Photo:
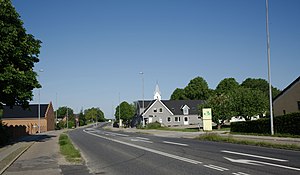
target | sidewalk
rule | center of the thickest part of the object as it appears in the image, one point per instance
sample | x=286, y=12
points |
x=36, y=155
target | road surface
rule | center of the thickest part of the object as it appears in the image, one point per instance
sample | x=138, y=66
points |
x=117, y=153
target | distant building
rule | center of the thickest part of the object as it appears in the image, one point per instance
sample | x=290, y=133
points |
x=29, y=118
x=288, y=101
x=169, y=112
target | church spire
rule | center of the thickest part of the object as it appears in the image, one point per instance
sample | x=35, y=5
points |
x=157, y=94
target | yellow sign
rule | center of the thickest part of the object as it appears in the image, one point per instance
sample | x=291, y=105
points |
x=207, y=123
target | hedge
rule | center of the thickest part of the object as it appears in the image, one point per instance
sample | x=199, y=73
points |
x=285, y=124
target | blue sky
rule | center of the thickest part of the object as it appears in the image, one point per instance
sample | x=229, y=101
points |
x=94, y=49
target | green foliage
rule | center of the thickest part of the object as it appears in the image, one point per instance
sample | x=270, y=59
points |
x=4, y=134
x=248, y=102
x=82, y=119
x=227, y=85
x=1, y=113
x=94, y=113
x=68, y=150
x=18, y=53
x=126, y=113
x=155, y=125
x=286, y=124
x=178, y=94
x=62, y=112
x=197, y=89
x=260, y=84
x=222, y=108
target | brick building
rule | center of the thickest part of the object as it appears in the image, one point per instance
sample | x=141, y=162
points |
x=18, y=116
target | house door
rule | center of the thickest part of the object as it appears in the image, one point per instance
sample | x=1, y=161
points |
x=186, y=121
x=150, y=119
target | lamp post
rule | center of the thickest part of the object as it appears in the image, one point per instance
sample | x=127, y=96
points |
x=143, y=106
x=269, y=66
x=39, y=106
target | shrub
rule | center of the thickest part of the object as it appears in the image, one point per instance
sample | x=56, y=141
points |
x=154, y=125
x=285, y=124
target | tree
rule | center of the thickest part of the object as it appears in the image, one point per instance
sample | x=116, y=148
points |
x=127, y=112
x=178, y=94
x=260, y=84
x=82, y=120
x=93, y=114
x=18, y=53
x=226, y=85
x=197, y=89
x=222, y=108
x=249, y=102
x=62, y=112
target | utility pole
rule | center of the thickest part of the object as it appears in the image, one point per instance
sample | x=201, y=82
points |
x=39, y=106
x=67, y=118
x=119, y=111
x=269, y=66
x=142, y=73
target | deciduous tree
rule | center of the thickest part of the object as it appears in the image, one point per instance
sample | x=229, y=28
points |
x=127, y=112
x=18, y=53
x=93, y=114
x=226, y=85
x=197, y=89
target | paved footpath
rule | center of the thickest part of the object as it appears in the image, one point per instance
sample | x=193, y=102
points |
x=41, y=157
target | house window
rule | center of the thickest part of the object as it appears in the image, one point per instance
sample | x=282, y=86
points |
x=150, y=116
x=284, y=112
x=176, y=119
x=154, y=110
x=160, y=110
x=186, y=111
x=169, y=119
x=298, y=105
x=186, y=119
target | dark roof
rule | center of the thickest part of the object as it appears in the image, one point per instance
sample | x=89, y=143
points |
x=288, y=87
x=147, y=103
x=176, y=105
x=19, y=112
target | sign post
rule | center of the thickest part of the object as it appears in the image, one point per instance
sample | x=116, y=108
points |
x=207, y=119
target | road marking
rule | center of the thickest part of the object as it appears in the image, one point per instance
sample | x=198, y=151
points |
x=240, y=173
x=256, y=156
x=141, y=140
x=148, y=149
x=216, y=167
x=259, y=163
x=116, y=134
x=174, y=143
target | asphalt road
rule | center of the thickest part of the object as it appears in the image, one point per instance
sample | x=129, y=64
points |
x=117, y=153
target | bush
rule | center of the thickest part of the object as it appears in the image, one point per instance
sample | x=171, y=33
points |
x=285, y=124
x=154, y=125
x=4, y=134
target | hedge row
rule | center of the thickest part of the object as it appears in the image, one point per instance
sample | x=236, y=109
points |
x=285, y=124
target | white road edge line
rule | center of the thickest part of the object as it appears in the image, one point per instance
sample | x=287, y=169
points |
x=148, y=149
x=174, y=143
x=218, y=167
x=141, y=140
x=256, y=156
x=215, y=168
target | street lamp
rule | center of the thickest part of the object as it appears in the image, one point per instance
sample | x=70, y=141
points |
x=142, y=73
x=39, y=107
x=269, y=66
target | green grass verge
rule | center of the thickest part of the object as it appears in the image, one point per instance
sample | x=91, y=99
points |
x=68, y=150
x=230, y=139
